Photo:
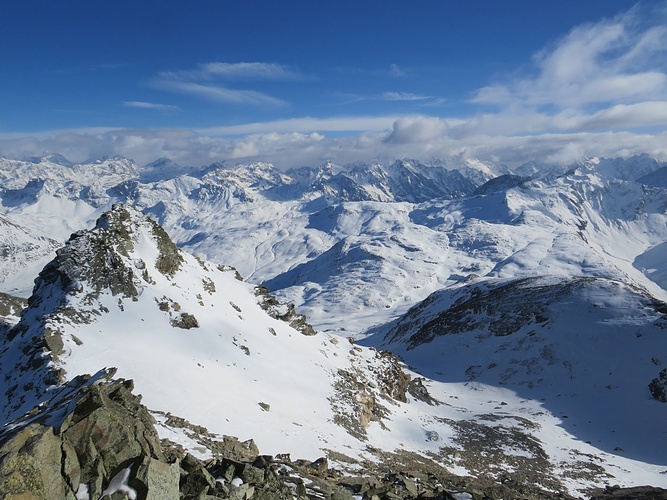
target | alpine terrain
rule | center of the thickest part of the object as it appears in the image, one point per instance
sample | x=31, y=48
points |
x=396, y=329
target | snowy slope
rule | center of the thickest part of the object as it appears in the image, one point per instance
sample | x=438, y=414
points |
x=199, y=345
x=24, y=252
x=116, y=297
x=586, y=349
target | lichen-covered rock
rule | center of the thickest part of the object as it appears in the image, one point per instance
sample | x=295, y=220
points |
x=185, y=321
x=30, y=465
x=159, y=478
x=92, y=429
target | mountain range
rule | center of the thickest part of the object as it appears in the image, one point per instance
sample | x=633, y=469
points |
x=507, y=325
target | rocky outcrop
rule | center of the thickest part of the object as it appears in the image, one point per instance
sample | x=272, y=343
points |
x=658, y=386
x=10, y=310
x=283, y=312
x=94, y=438
x=97, y=260
x=362, y=392
x=637, y=493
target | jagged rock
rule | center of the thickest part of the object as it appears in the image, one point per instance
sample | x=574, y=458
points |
x=658, y=386
x=393, y=381
x=418, y=390
x=195, y=479
x=88, y=433
x=319, y=467
x=229, y=447
x=283, y=312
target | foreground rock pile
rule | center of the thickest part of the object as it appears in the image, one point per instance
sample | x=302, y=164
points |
x=95, y=440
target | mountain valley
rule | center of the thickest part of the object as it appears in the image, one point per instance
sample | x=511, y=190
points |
x=481, y=331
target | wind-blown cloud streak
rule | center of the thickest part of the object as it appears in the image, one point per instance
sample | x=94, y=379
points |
x=219, y=93
x=150, y=105
x=210, y=81
x=236, y=71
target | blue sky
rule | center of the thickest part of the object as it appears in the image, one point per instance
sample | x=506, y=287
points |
x=300, y=82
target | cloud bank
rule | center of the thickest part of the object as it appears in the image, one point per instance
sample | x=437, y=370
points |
x=416, y=137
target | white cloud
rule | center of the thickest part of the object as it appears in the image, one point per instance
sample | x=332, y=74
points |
x=417, y=129
x=396, y=72
x=150, y=105
x=614, y=61
x=610, y=75
x=252, y=70
x=403, y=96
x=234, y=71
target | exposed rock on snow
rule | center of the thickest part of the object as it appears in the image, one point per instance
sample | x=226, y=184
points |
x=658, y=386
x=282, y=311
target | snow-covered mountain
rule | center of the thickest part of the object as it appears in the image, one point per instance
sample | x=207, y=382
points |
x=199, y=344
x=24, y=252
x=587, y=348
x=406, y=180
x=531, y=301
